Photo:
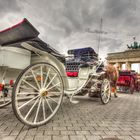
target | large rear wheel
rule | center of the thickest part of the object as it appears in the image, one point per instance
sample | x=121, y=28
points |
x=37, y=94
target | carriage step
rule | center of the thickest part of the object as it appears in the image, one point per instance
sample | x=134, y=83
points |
x=74, y=101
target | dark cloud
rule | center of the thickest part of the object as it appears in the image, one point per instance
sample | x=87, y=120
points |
x=65, y=22
x=122, y=12
x=117, y=8
x=7, y=6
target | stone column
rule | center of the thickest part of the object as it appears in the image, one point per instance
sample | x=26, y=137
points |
x=128, y=66
x=119, y=65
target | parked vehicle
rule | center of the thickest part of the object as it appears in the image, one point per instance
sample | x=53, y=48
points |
x=128, y=81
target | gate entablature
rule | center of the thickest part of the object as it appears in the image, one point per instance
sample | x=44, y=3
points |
x=128, y=57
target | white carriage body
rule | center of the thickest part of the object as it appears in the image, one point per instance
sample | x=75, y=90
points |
x=12, y=61
x=15, y=58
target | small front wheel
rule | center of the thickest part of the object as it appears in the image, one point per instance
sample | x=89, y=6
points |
x=105, y=94
x=37, y=94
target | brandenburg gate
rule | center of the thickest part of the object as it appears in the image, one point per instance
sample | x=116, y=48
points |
x=128, y=57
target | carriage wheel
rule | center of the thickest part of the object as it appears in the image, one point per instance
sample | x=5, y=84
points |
x=37, y=94
x=105, y=91
x=5, y=98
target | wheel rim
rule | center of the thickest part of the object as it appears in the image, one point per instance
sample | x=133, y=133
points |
x=5, y=98
x=40, y=96
x=105, y=91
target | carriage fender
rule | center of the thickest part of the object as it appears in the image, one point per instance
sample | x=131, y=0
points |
x=53, y=61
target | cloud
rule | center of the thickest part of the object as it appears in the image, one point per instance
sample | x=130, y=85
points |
x=64, y=23
x=7, y=6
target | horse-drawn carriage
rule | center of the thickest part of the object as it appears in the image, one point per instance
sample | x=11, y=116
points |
x=128, y=81
x=39, y=89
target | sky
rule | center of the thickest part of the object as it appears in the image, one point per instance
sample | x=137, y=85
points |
x=69, y=24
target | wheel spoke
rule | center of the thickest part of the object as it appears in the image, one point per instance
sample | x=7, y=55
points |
x=27, y=93
x=35, y=79
x=37, y=110
x=52, y=99
x=53, y=86
x=43, y=108
x=30, y=84
x=103, y=94
x=46, y=78
x=55, y=93
x=26, y=88
x=107, y=88
x=51, y=80
x=104, y=97
x=28, y=102
x=31, y=108
x=49, y=105
x=41, y=76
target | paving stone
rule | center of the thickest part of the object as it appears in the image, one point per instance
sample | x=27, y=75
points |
x=59, y=128
x=97, y=133
x=83, y=132
x=60, y=138
x=45, y=127
x=31, y=133
x=77, y=138
x=74, y=128
x=78, y=124
x=9, y=138
x=136, y=137
x=29, y=138
x=137, y=133
x=42, y=138
x=109, y=137
x=101, y=128
x=125, y=133
x=22, y=135
x=65, y=124
x=54, y=132
x=126, y=138
x=93, y=137
x=111, y=133
x=67, y=132
x=88, y=128
x=40, y=133
x=15, y=132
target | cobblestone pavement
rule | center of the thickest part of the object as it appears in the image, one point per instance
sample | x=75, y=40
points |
x=88, y=120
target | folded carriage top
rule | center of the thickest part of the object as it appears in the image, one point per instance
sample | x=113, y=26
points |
x=19, y=32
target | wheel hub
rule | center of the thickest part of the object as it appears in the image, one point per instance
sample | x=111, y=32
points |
x=43, y=92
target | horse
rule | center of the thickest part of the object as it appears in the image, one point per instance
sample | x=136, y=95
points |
x=112, y=73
